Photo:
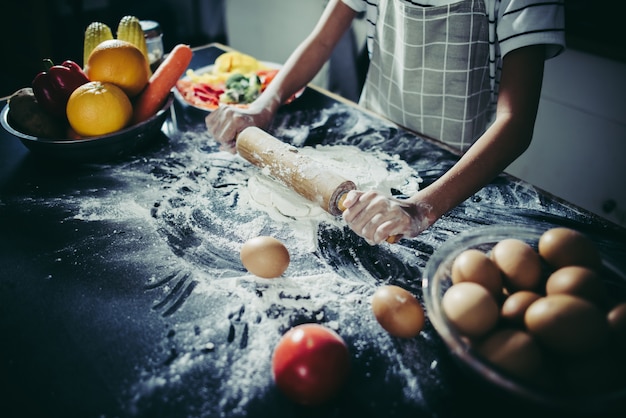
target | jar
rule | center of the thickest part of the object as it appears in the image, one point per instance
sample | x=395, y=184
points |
x=154, y=42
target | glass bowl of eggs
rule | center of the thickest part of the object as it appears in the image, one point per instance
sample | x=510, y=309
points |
x=537, y=312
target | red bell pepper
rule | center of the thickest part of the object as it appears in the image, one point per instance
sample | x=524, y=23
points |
x=53, y=87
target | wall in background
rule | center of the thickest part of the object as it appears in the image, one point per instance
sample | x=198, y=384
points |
x=271, y=29
x=579, y=147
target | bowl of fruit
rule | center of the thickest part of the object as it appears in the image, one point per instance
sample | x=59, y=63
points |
x=538, y=313
x=57, y=141
x=111, y=106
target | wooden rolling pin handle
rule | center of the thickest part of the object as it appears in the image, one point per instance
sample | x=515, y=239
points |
x=394, y=238
x=335, y=203
x=391, y=239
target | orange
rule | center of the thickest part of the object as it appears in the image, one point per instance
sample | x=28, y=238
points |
x=98, y=108
x=121, y=63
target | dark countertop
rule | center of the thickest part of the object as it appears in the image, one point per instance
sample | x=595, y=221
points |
x=122, y=294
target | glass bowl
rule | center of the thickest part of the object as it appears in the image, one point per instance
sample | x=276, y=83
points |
x=436, y=280
x=95, y=149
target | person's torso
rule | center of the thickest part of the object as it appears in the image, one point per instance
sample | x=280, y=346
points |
x=430, y=67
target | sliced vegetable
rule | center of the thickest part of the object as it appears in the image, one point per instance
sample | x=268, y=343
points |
x=208, y=90
x=266, y=77
x=200, y=94
x=233, y=61
x=241, y=89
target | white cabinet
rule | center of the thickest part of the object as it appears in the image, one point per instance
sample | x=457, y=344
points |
x=578, y=151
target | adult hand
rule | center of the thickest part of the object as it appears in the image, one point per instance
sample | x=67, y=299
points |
x=226, y=122
x=376, y=217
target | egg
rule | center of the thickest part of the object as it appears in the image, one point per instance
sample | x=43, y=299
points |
x=567, y=324
x=514, y=351
x=470, y=308
x=562, y=247
x=578, y=281
x=475, y=266
x=519, y=262
x=265, y=257
x=514, y=307
x=398, y=311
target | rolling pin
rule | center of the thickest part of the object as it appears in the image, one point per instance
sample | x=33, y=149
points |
x=298, y=172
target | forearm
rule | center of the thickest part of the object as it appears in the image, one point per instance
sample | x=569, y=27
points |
x=309, y=57
x=499, y=146
x=505, y=140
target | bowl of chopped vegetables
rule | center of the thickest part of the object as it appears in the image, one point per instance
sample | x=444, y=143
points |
x=234, y=79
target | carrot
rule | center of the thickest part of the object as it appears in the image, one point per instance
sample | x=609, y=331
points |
x=161, y=82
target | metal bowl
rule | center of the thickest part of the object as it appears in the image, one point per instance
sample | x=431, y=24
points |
x=94, y=149
x=436, y=281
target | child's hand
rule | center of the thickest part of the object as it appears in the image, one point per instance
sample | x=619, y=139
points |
x=376, y=217
x=226, y=122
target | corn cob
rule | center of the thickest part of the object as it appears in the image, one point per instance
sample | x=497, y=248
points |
x=95, y=33
x=129, y=29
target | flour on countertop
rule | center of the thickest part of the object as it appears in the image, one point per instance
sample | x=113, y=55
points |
x=185, y=212
x=262, y=310
x=172, y=223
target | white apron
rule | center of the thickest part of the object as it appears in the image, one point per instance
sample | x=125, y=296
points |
x=429, y=69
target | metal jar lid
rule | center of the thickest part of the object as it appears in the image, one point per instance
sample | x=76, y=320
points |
x=150, y=28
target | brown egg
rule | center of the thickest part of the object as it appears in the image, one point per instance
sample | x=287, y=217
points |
x=562, y=247
x=519, y=263
x=514, y=351
x=475, y=266
x=265, y=256
x=514, y=307
x=578, y=281
x=398, y=311
x=617, y=323
x=567, y=324
x=470, y=308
